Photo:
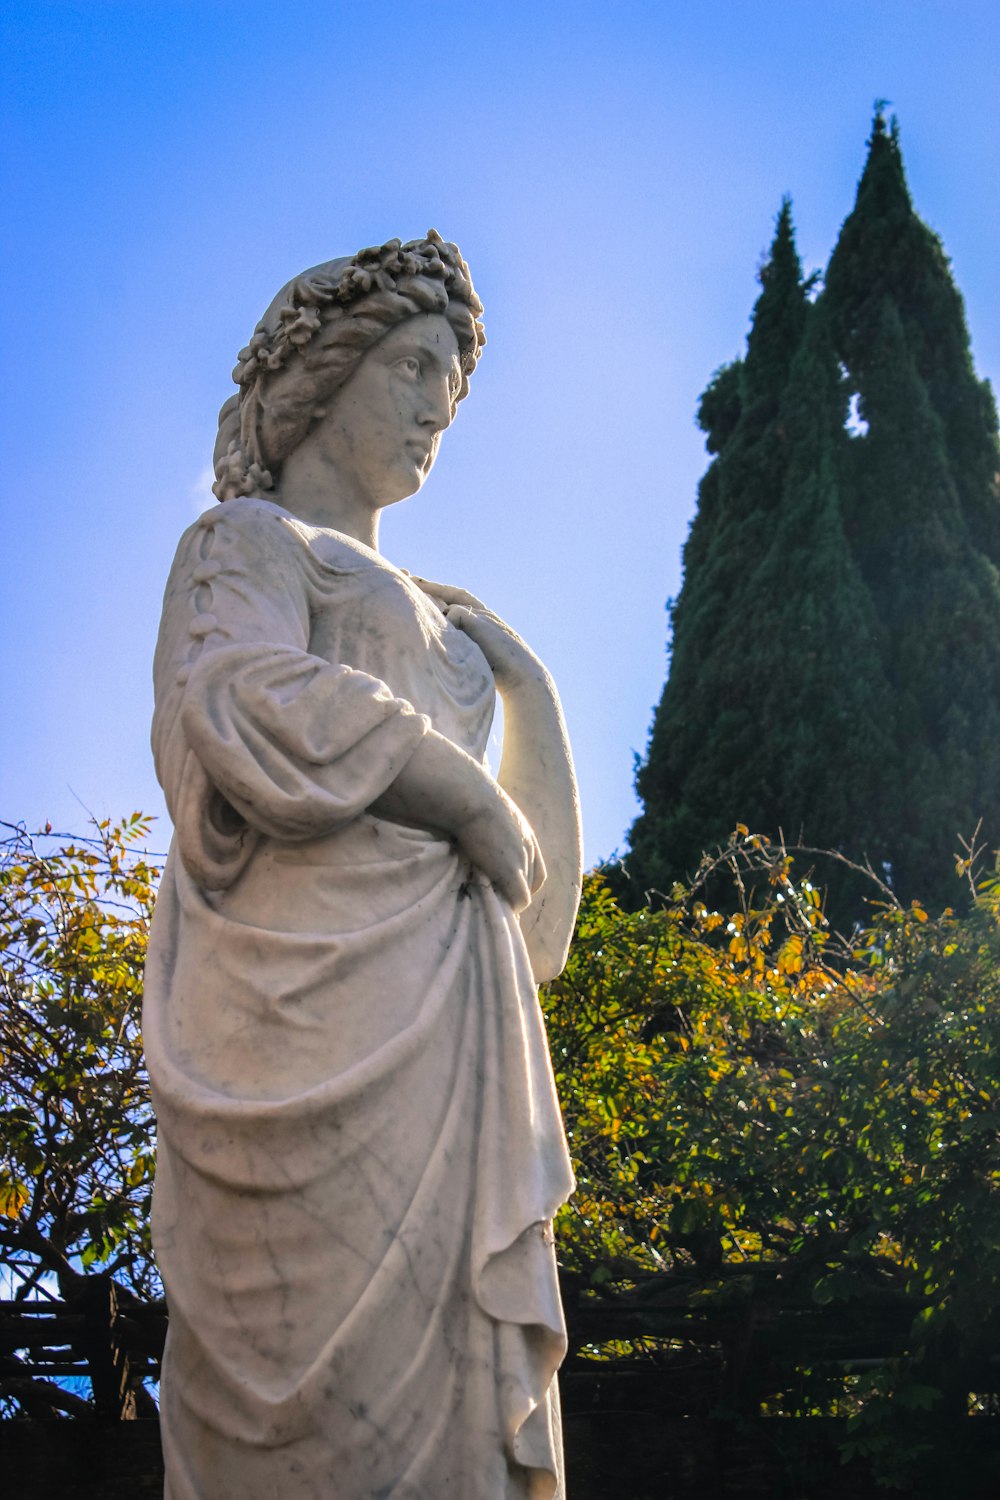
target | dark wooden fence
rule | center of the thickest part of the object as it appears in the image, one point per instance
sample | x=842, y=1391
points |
x=663, y=1395
x=103, y=1338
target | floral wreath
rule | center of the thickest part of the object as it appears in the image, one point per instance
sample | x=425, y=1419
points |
x=384, y=268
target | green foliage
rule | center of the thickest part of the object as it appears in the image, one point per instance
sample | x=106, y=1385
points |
x=887, y=258
x=775, y=671
x=76, y=1126
x=835, y=660
x=779, y=321
x=922, y=511
x=769, y=1119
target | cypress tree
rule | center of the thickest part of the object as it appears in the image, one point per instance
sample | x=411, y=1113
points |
x=735, y=499
x=835, y=668
x=771, y=711
x=822, y=751
x=923, y=518
x=886, y=253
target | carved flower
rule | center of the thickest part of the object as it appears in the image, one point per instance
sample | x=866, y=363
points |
x=252, y=359
x=356, y=281
x=259, y=478
x=229, y=473
x=231, y=466
x=300, y=323
x=318, y=290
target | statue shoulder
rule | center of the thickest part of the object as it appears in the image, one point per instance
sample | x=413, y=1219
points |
x=253, y=535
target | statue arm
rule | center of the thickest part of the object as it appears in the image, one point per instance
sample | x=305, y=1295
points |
x=441, y=787
x=536, y=773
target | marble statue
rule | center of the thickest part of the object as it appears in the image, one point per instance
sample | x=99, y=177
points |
x=360, y=1147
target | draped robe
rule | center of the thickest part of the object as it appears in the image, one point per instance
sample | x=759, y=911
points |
x=360, y=1149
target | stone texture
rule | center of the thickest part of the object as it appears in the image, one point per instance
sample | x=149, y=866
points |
x=360, y=1145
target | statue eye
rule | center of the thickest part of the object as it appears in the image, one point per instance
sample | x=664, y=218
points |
x=409, y=366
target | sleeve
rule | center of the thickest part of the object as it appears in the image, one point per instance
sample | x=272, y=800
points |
x=252, y=734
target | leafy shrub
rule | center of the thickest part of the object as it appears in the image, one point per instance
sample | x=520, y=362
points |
x=797, y=1135
x=77, y=1137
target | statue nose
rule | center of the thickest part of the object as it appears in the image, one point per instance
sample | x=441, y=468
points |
x=436, y=412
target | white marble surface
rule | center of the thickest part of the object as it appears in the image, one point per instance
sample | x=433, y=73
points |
x=360, y=1149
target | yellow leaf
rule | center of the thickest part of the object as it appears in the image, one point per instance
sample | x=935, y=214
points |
x=790, y=957
x=13, y=1197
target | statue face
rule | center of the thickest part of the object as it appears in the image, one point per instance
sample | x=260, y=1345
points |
x=381, y=429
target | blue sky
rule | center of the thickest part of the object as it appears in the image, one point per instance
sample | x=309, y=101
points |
x=611, y=173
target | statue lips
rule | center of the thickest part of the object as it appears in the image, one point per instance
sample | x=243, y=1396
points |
x=421, y=451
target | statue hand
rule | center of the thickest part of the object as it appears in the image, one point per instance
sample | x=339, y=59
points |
x=510, y=659
x=499, y=841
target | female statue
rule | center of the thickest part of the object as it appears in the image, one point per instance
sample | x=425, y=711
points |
x=360, y=1149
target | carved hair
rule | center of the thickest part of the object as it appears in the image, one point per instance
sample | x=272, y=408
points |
x=312, y=337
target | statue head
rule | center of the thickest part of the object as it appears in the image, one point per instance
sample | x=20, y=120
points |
x=312, y=338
